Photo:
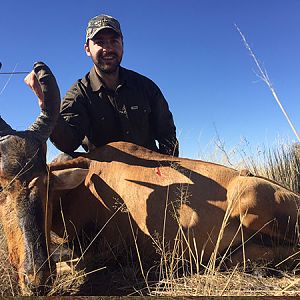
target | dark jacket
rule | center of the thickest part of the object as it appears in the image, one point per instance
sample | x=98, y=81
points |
x=137, y=112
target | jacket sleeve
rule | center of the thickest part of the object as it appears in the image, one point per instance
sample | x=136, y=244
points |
x=163, y=123
x=73, y=122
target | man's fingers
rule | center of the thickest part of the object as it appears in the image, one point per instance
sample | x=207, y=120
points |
x=34, y=84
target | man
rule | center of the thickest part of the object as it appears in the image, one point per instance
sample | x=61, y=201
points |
x=112, y=103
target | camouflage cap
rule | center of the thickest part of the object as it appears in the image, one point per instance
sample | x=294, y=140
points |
x=101, y=22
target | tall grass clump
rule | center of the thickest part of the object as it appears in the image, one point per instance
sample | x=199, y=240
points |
x=281, y=164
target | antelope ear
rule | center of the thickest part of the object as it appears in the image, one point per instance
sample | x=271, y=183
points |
x=69, y=178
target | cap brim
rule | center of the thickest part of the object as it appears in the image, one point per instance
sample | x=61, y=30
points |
x=104, y=27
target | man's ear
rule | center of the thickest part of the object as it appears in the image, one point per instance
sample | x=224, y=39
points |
x=69, y=178
x=87, y=49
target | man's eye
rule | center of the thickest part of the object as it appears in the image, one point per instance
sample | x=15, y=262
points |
x=98, y=42
x=102, y=43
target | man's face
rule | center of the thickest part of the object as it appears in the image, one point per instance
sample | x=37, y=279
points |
x=106, y=50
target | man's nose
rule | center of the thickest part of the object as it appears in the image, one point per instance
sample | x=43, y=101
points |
x=107, y=45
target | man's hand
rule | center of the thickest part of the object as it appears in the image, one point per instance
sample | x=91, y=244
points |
x=32, y=81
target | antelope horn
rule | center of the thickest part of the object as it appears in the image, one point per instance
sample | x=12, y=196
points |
x=45, y=122
x=5, y=129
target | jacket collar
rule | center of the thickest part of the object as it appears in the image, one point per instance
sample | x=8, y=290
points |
x=97, y=84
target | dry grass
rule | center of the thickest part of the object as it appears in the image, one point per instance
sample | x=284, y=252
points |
x=282, y=165
x=234, y=283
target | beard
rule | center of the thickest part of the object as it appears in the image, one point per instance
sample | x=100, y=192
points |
x=108, y=66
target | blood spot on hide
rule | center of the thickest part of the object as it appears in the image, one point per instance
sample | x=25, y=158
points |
x=157, y=171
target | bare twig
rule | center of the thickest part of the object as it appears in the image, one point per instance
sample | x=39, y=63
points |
x=13, y=73
x=264, y=77
x=8, y=80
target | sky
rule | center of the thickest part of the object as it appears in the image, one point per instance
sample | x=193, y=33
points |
x=191, y=49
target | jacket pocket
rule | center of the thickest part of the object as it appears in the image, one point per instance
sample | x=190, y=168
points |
x=139, y=115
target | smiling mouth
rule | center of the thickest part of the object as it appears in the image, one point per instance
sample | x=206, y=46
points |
x=109, y=57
